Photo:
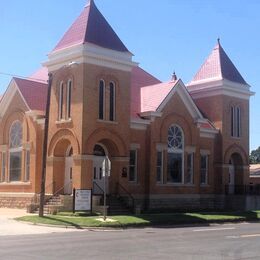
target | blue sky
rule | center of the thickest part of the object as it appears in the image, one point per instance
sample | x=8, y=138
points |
x=165, y=36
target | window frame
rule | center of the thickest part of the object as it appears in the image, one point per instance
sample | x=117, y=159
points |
x=178, y=151
x=235, y=121
x=27, y=166
x=16, y=149
x=206, y=169
x=133, y=165
x=112, y=101
x=61, y=101
x=68, y=99
x=160, y=167
x=101, y=106
x=191, y=168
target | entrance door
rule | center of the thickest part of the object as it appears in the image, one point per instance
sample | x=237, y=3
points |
x=98, y=179
x=68, y=176
x=231, y=187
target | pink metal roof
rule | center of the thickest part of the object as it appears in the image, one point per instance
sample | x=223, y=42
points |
x=34, y=93
x=152, y=96
x=207, y=125
x=40, y=75
x=218, y=65
x=139, y=79
x=91, y=27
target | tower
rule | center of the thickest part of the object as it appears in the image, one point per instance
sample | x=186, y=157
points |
x=90, y=103
x=222, y=94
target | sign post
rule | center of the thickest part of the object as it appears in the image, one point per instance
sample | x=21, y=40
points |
x=106, y=168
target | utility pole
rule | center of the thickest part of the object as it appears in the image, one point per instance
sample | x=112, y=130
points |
x=45, y=143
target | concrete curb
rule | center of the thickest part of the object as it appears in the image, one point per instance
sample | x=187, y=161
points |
x=141, y=226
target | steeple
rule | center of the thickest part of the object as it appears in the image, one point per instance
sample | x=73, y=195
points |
x=91, y=27
x=218, y=66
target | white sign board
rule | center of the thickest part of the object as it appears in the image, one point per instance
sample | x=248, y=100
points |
x=106, y=167
x=82, y=200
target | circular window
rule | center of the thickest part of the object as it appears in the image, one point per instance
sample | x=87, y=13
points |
x=16, y=135
x=175, y=139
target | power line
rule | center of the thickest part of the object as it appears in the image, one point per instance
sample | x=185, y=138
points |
x=23, y=77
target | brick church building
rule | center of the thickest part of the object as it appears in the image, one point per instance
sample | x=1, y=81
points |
x=171, y=145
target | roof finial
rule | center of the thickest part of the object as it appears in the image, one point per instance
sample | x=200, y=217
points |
x=218, y=40
x=174, y=76
x=89, y=2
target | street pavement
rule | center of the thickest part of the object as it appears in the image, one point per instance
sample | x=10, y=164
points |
x=214, y=242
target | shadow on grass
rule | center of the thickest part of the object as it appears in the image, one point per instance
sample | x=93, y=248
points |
x=200, y=218
x=65, y=222
x=173, y=219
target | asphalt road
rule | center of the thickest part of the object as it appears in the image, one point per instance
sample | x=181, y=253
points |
x=232, y=241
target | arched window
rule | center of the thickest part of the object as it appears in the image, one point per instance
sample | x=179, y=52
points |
x=68, y=105
x=61, y=93
x=101, y=99
x=235, y=121
x=112, y=103
x=175, y=154
x=15, y=149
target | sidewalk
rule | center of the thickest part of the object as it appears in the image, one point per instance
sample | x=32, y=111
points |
x=9, y=226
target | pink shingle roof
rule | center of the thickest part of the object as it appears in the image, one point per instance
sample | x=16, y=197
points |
x=91, y=27
x=152, y=96
x=34, y=93
x=40, y=75
x=218, y=66
x=139, y=79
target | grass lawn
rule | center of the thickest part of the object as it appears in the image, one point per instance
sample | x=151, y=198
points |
x=80, y=221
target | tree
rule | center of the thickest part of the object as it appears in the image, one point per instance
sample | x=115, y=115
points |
x=254, y=157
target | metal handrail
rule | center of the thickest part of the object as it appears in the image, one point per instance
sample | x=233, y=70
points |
x=35, y=199
x=51, y=184
x=95, y=184
x=129, y=195
x=57, y=192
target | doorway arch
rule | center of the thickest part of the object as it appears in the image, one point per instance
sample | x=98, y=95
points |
x=68, y=173
x=99, y=183
x=235, y=174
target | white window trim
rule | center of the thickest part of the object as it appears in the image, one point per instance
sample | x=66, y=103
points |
x=238, y=117
x=179, y=151
x=60, y=107
x=68, y=99
x=14, y=150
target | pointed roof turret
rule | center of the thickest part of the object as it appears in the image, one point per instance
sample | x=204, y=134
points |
x=218, y=66
x=91, y=27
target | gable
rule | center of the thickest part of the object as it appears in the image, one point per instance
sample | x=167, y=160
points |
x=33, y=92
x=10, y=97
x=182, y=92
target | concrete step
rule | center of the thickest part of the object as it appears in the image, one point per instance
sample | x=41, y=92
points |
x=117, y=207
